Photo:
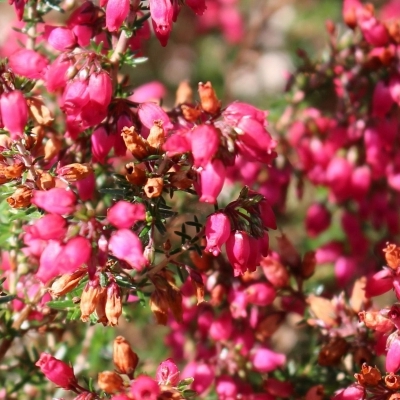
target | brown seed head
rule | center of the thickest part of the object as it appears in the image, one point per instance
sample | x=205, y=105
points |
x=74, y=172
x=44, y=180
x=67, y=282
x=38, y=111
x=110, y=382
x=135, y=174
x=392, y=381
x=125, y=359
x=113, y=304
x=52, y=148
x=333, y=351
x=13, y=171
x=370, y=376
x=156, y=137
x=153, y=187
x=135, y=143
x=190, y=113
x=159, y=306
x=184, y=93
x=392, y=255
x=21, y=197
x=376, y=321
x=208, y=98
x=90, y=296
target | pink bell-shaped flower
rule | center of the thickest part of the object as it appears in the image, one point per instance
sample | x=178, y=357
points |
x=212, y=179
x=238, y=251
x=167, y=373
x=14, y=113
x=218, y=229
x=57, y=371
x=124, y=214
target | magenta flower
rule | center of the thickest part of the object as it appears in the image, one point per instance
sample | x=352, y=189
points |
x=28, y=63
x=265, y=360
x=167, y=373
x=162, y=13
x=57, y=371
x=393, y=353
x=353, y=392
x=116, y=12
x=57, y=200
x=217, y=229
x=55, y=75
x=318, y=219
x=212, y=179
x=57, y=259
x=149, y=113
x=205, y=142
x=226, y=387
x=48, y=227
x=238, y=251
x=198, y=6
x=14, y=113
x=59, y=37
x=102, y=143
x=260, y=294
x=222, y=327
x=126, y=246
x=145, y=388
x=124, y=214
x=100, y=89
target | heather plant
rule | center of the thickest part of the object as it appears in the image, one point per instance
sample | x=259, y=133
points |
x=120, y=213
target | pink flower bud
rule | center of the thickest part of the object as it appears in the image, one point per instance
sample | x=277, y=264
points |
x=218, y=229
x=28, y=63
x=382, y=101
x=124, y=214
x=86, y=187
x=202, y=374
x=57, y=200
x=56, y=73
x=100, y=89
x=167, y=373
x=212, y=179
x=57, y=259
x=14, y=113
x=267, y=214
x=75, y=97
x=318, y=219
x=353, y=392
x=198, y=6
x=226, y=388
x=60, y=38
x=379, y=283
x=145, y=388
x=48, y=227
x=393, y=354
x=126, y=246
x=116, y=12
x=150, y=91
x=266, y=360
x=177, y=143
x=57, y=371
x=238, y=251
x=150, y=113
x=102, y=143
x=162, y=13
x=222, y=327
x=345, y=269
x=260, y=294
x=205, y=141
